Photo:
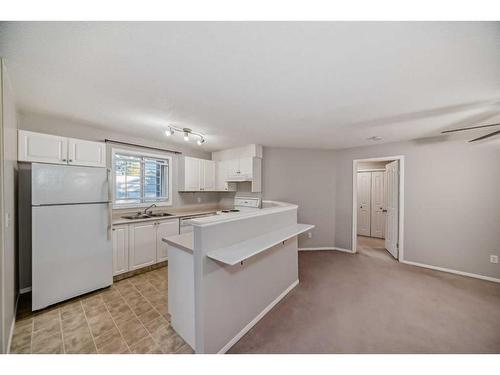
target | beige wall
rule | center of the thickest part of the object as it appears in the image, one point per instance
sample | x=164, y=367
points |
x=452, y=202
x=8, y=208
x=305, y=177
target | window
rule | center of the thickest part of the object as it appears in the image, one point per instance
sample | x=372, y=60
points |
x=141, y=179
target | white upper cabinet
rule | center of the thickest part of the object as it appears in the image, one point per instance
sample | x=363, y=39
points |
x=221, y=175
x=92, y=154
x=208, y=175
x=192, y=167
x=46, y=148
x=243, y=168
x=199, y=175
x=246, y=167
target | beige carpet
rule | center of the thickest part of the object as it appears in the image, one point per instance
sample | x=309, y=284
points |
x=370, y=303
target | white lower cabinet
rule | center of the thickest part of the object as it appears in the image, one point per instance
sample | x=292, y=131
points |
x=164, y=229
x=139, y=245
x=120, y=249
x=142, y=245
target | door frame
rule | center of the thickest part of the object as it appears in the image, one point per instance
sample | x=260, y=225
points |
x=401, y=160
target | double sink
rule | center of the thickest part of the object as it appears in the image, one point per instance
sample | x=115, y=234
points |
x=149, y=215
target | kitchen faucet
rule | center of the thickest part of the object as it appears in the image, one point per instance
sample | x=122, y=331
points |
x=147, y=208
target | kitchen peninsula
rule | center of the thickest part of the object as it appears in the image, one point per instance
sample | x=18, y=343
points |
x=230, y=271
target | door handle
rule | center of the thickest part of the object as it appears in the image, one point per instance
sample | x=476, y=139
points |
x=384, y=210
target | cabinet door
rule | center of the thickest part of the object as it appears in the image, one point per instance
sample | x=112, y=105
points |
x=164, y=229
x=208, y=175
x=246, y=167
x=142, y=245
x=233, y=168
x=44, y=148
x=192, y=174
x=220, y=175
x=87, y=153
x=120, y=249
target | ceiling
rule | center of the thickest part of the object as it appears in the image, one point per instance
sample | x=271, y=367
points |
x=289, y=84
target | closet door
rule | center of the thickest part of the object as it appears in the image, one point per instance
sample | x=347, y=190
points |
x=377, y=205
x=364, y=207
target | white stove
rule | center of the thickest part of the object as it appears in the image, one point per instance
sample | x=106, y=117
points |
x=241, y=204
x=244, y=204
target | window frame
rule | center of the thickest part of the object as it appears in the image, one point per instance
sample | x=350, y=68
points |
x=169, y=175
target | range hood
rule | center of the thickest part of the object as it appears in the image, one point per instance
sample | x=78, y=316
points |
x=239, y=179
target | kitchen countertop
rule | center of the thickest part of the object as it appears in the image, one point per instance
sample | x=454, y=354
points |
x=183, y=241
x=176, y=213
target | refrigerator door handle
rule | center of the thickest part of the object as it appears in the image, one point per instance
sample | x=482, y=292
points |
x=110, y=212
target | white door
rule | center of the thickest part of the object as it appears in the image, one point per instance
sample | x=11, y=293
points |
x=120, y=249
x=192, y=174
x=164, y=229
x=142, y=245
x=364, y=191
x=392, y=207
x=246, y=167
x=378, y=204
x=208, y=175
x=44, y=148
x=86, y=153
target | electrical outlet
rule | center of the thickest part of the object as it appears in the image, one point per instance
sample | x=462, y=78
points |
x=199, y=199
x=309, y=235
x=493, y=258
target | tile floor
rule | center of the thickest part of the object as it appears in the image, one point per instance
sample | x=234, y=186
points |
x=128, y=317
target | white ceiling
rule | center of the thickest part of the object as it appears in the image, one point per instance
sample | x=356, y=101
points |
x=290, y=84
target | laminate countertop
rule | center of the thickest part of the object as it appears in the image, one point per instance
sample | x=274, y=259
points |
x=176, y=214
x=183, y=241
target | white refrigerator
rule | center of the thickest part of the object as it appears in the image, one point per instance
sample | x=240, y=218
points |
x=71, y=246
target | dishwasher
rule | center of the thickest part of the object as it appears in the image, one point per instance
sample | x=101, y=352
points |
x=184, y=223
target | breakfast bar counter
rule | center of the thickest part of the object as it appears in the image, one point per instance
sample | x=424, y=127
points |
x=229, y=272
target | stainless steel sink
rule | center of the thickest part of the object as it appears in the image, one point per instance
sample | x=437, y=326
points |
x=136, y=217
x=160, y=214
x=140, y=216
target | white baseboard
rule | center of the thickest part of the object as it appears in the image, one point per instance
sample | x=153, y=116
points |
x=442, y=269
x=25, y=290
x=11, y=333
x=325, y=248
x=254, y=321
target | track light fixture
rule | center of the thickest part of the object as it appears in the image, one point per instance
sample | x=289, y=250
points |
x=186, y=132
x=169, y=132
